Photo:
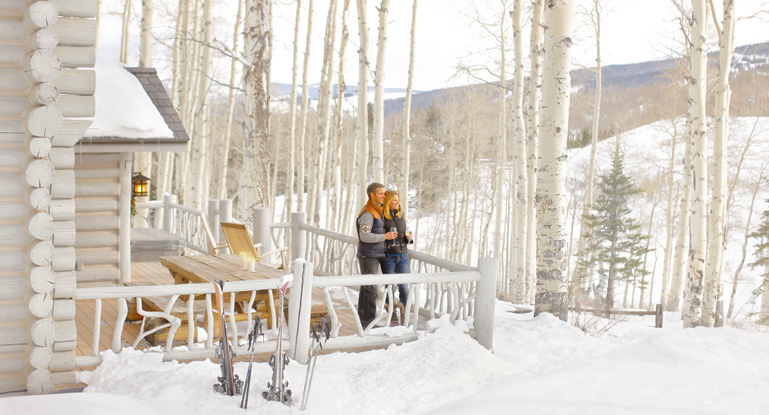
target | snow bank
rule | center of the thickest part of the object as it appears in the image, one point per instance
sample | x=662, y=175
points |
x=539, y=366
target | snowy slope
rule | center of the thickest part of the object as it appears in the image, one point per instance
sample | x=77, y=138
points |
x=647, y=156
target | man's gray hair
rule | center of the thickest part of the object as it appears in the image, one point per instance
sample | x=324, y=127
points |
x=372, y=188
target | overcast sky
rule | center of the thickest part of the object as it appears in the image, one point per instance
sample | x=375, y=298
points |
x=632, y=31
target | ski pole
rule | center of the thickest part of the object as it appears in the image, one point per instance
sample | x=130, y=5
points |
x=316, y=346
x=255, y=331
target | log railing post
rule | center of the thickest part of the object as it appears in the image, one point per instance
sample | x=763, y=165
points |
x=300, y=303
x=168, y=213
x=297, y=237
x=214, y=219
x=484, y=302
x=262, y=229
x=124, y=234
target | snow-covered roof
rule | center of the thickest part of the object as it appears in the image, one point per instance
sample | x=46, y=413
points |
x=133, y=110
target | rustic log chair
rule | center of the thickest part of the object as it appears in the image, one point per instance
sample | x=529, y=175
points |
x=239, y=240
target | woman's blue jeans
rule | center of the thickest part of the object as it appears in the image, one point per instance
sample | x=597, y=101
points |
x=398, y=264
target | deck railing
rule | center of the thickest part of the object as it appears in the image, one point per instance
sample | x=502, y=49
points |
x=321, y=259
x=190, y=224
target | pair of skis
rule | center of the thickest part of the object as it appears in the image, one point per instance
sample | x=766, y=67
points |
x=229, y=383
x=278, y=389
x=255, y=333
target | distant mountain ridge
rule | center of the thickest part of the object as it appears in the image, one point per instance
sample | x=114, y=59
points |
x=748, y=57
x=284, y=90
x=619, y=78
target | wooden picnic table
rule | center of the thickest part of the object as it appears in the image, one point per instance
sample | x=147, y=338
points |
x=205, y=268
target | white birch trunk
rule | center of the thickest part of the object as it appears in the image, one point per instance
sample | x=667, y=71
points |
x=339, y=127
x=143, y=160
x=225, y=150
x=300, y=140
x=501, y=148
x=256, y=134
x=363, y=63
x=145, y=58
x=692, y=309
x=763, y=316
x=125, y=32
x=325, y=96
x=200, y=138
x=589, y=197
x=551, y=199
x=292, y=144
x=669, y=221
x=682, y=231
x=718, y=204
x=532, y=131
x=736, y=278
x=518, y=286
x=406, y=141
x=377, y=157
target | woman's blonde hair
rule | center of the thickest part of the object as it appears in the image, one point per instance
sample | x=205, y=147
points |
x=389, y=195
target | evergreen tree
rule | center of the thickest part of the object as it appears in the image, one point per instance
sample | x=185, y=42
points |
x=762, y=250
x=616, y=245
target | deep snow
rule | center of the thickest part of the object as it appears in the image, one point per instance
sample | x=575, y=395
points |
x=538, y=366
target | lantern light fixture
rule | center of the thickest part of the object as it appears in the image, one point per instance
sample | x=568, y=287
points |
x=141, y=185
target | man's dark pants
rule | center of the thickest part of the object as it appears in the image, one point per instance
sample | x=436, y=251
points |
x=368, y=293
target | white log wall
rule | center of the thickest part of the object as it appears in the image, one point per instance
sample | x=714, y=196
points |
x=97, y=218
x=46, y=81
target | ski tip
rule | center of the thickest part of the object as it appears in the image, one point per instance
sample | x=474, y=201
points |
x=286, y=279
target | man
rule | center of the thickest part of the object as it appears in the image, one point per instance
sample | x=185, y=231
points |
x=371, y=248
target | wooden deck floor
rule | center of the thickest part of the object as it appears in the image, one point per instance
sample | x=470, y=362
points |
x=146, y=273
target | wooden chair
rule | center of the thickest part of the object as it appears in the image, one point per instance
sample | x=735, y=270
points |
x=239, y=240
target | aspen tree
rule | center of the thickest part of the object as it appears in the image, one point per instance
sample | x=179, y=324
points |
x=125, y=32
x=501, y=145
x=692, y=309
x=292, y=144
x=595, y=19
x=166, y=160
x=738, y=269
x=190, y=83
x=763, y=316
x=712, y=284
x=200, y=138
x=680, y=254
x=339, y=126
x=669, y=219
x=406, y=142
x=532, y=130
x=551, y=204
x=225, y=150
x=300, y=140
x=730, y=199
x=680, y=258
x=362, y=112
x=143, y=160
x=517, y=285
x=324, y=113
x=255, y=134
x=377, y=141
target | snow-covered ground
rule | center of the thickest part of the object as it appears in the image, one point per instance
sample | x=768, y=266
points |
x=538, y=366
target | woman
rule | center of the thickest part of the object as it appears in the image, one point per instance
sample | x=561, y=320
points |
x=396, y=250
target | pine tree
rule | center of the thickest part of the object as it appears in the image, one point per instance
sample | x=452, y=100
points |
x=762, y=259
x=617, y=246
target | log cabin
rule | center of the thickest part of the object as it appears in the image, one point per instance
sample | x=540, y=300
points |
x=65, y=180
